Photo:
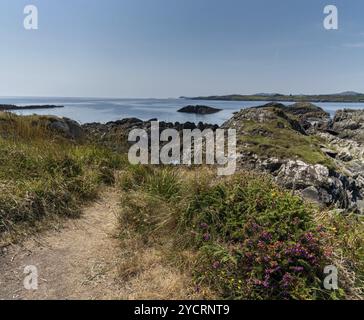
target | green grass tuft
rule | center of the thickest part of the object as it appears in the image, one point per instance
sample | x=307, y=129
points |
x=44, y=176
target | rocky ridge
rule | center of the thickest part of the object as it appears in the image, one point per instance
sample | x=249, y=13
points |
x=304, y=150
x=114, y=134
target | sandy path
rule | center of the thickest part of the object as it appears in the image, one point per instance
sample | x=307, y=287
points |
x=85, y=260
x=78, y=262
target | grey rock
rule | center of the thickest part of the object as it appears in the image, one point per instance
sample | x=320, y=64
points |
x=311, y=194
x=341, y=186
x=331, y=153
x=345, y=156
x=349, y=124
x=360, y=206
x=67, y=128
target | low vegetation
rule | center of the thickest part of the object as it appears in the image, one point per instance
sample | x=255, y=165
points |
x=282, y=142
x=241, y=237
x=44, y=176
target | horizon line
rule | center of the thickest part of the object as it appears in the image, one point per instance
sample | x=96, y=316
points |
x=180, y=97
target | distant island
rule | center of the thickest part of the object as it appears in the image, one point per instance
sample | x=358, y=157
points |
x=199, y=109
x=348, y=96
x=10, y=107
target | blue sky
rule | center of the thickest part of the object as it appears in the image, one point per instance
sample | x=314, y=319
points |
x=169, y=48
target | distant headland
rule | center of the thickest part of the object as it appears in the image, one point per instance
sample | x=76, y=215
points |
x=348, y=96
x=10, y=107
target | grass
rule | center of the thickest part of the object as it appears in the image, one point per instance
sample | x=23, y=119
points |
x=345, y=234
x=241, y=237
x=45, y=176
x=277, y=139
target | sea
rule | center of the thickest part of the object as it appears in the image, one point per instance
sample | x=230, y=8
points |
x=87, y=110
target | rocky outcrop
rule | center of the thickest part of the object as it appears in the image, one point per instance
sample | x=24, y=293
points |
x=115, y=134
x=319, y=184
x=199, y=109
x=68, y=128
x=310, y=116
x=316, y=183
x=304, y=150
x=345, y=134
x=349, y=124
x=307, y=110
x=267, y=114
x=59, y=127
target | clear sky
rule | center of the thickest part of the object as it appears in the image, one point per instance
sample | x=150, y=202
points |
x=170, y=48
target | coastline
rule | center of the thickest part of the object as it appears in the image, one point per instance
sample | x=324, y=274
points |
x=106, y=110
x=10, y=107
x=334, y=98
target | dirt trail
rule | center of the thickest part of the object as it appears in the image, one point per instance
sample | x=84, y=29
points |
x=81, y=261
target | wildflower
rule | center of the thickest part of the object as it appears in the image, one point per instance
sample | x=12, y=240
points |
x=297, y=269
x=297, y=251
x=266, y=236
x=255, y=226
x=250, y=243
x=287, y=280
x=261, y=244
x=204, y=226
x=308, y=237
x=206, y=237
x=216, y=265
x=257, y=282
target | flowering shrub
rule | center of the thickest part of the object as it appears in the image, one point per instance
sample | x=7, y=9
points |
x=242, y=237
x=257, y=241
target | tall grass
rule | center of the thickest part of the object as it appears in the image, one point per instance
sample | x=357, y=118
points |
x=43, y=175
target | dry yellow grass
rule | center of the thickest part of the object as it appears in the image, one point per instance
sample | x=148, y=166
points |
x=149, y=267
x=148, y=275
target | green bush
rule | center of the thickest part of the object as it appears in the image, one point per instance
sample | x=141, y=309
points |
x=256, y=241
x=252, y=239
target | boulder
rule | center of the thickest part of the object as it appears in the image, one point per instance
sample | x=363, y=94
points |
x=360, y=206
x=349, y=124
x=311, y=194
x=319, y=184
x=66, y=127
x=298, y=174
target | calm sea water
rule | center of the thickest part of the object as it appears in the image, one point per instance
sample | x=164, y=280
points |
x=86, y=110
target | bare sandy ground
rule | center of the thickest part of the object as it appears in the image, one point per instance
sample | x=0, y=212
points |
x=83, y=259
